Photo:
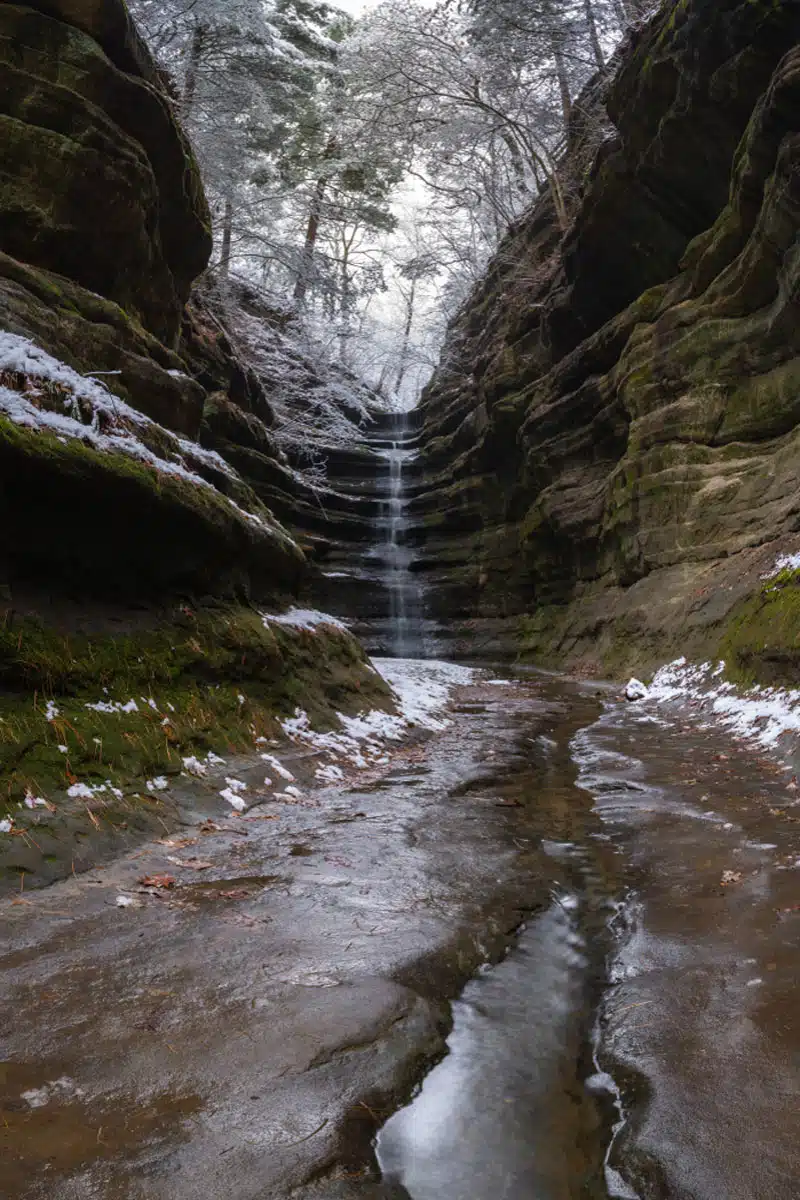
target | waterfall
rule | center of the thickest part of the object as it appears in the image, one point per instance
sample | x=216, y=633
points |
x=404, y=606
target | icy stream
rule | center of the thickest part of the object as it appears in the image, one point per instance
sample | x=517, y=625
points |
x=405, y=635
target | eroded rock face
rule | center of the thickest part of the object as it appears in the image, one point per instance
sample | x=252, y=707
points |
x=99, y=184
x=614, y=447
x=104, y=221
x=135, y=559
x=104, y=227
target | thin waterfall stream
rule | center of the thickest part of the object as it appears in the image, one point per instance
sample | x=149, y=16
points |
x=405, y=638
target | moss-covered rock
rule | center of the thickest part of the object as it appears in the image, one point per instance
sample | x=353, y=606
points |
x=761, y=641
x=102, y=524
x=103, y=228
x=91, y=149
x=623, y=404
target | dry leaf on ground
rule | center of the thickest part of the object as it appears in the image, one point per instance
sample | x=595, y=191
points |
x=157, y=881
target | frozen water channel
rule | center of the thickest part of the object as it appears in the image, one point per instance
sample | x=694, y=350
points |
x=644, y=1015
x=595, y=903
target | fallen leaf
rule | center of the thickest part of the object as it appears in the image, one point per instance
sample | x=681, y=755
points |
x=209, y=827
x=157, y=881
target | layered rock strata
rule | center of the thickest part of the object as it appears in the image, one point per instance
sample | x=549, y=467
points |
x=143, y=558
x=105, y=227
x=611, y=450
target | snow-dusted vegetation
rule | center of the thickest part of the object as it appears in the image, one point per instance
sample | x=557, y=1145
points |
x=361, y=172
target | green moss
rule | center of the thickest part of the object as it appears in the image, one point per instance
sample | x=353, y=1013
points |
x=761, y=643
x=763, y=406
x=537, y=633
x=210, y=681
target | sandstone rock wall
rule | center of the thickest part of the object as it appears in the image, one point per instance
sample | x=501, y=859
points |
x=613, y=452
x=104, y=228
x=142, y=556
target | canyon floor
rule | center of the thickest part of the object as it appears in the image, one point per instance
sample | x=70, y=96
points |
x=596, y=902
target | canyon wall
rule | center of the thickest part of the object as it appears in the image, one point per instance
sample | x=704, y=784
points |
x=611, y=451
x=104, y=229
x=145, y=563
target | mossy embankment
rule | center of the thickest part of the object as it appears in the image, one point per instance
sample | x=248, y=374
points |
x=761, y=644
x=111, y=716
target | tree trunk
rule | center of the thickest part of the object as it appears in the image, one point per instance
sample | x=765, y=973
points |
x=403, y=367
x=344, y=306
x=310, y=244
x=517, y=161
x=594, y=37
x=312, y=229
x=563, y=81
x=227, y=238
x=560, y=204
x=196, y=51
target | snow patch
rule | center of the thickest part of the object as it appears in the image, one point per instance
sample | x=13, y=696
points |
x=57, y=1089
x=785, y=562
x=32, y=801
x=423, y=687
x=85, y=791
x=422, y=690
x=277, y=766
x=193, y=766
x=767, y=716
x=234, y=799
x=329, y=774
x=113, y=706
x=302, y=618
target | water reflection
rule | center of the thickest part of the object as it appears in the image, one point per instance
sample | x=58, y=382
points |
x=504, y=1115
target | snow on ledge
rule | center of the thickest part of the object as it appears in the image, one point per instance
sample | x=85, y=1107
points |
x=766, y=715
x=302, y=618
x=785, y=562
x=95, y=416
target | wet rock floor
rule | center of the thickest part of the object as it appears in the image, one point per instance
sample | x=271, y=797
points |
x=611, y=894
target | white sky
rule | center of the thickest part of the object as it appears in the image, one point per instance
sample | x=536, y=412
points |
x=356, y=7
